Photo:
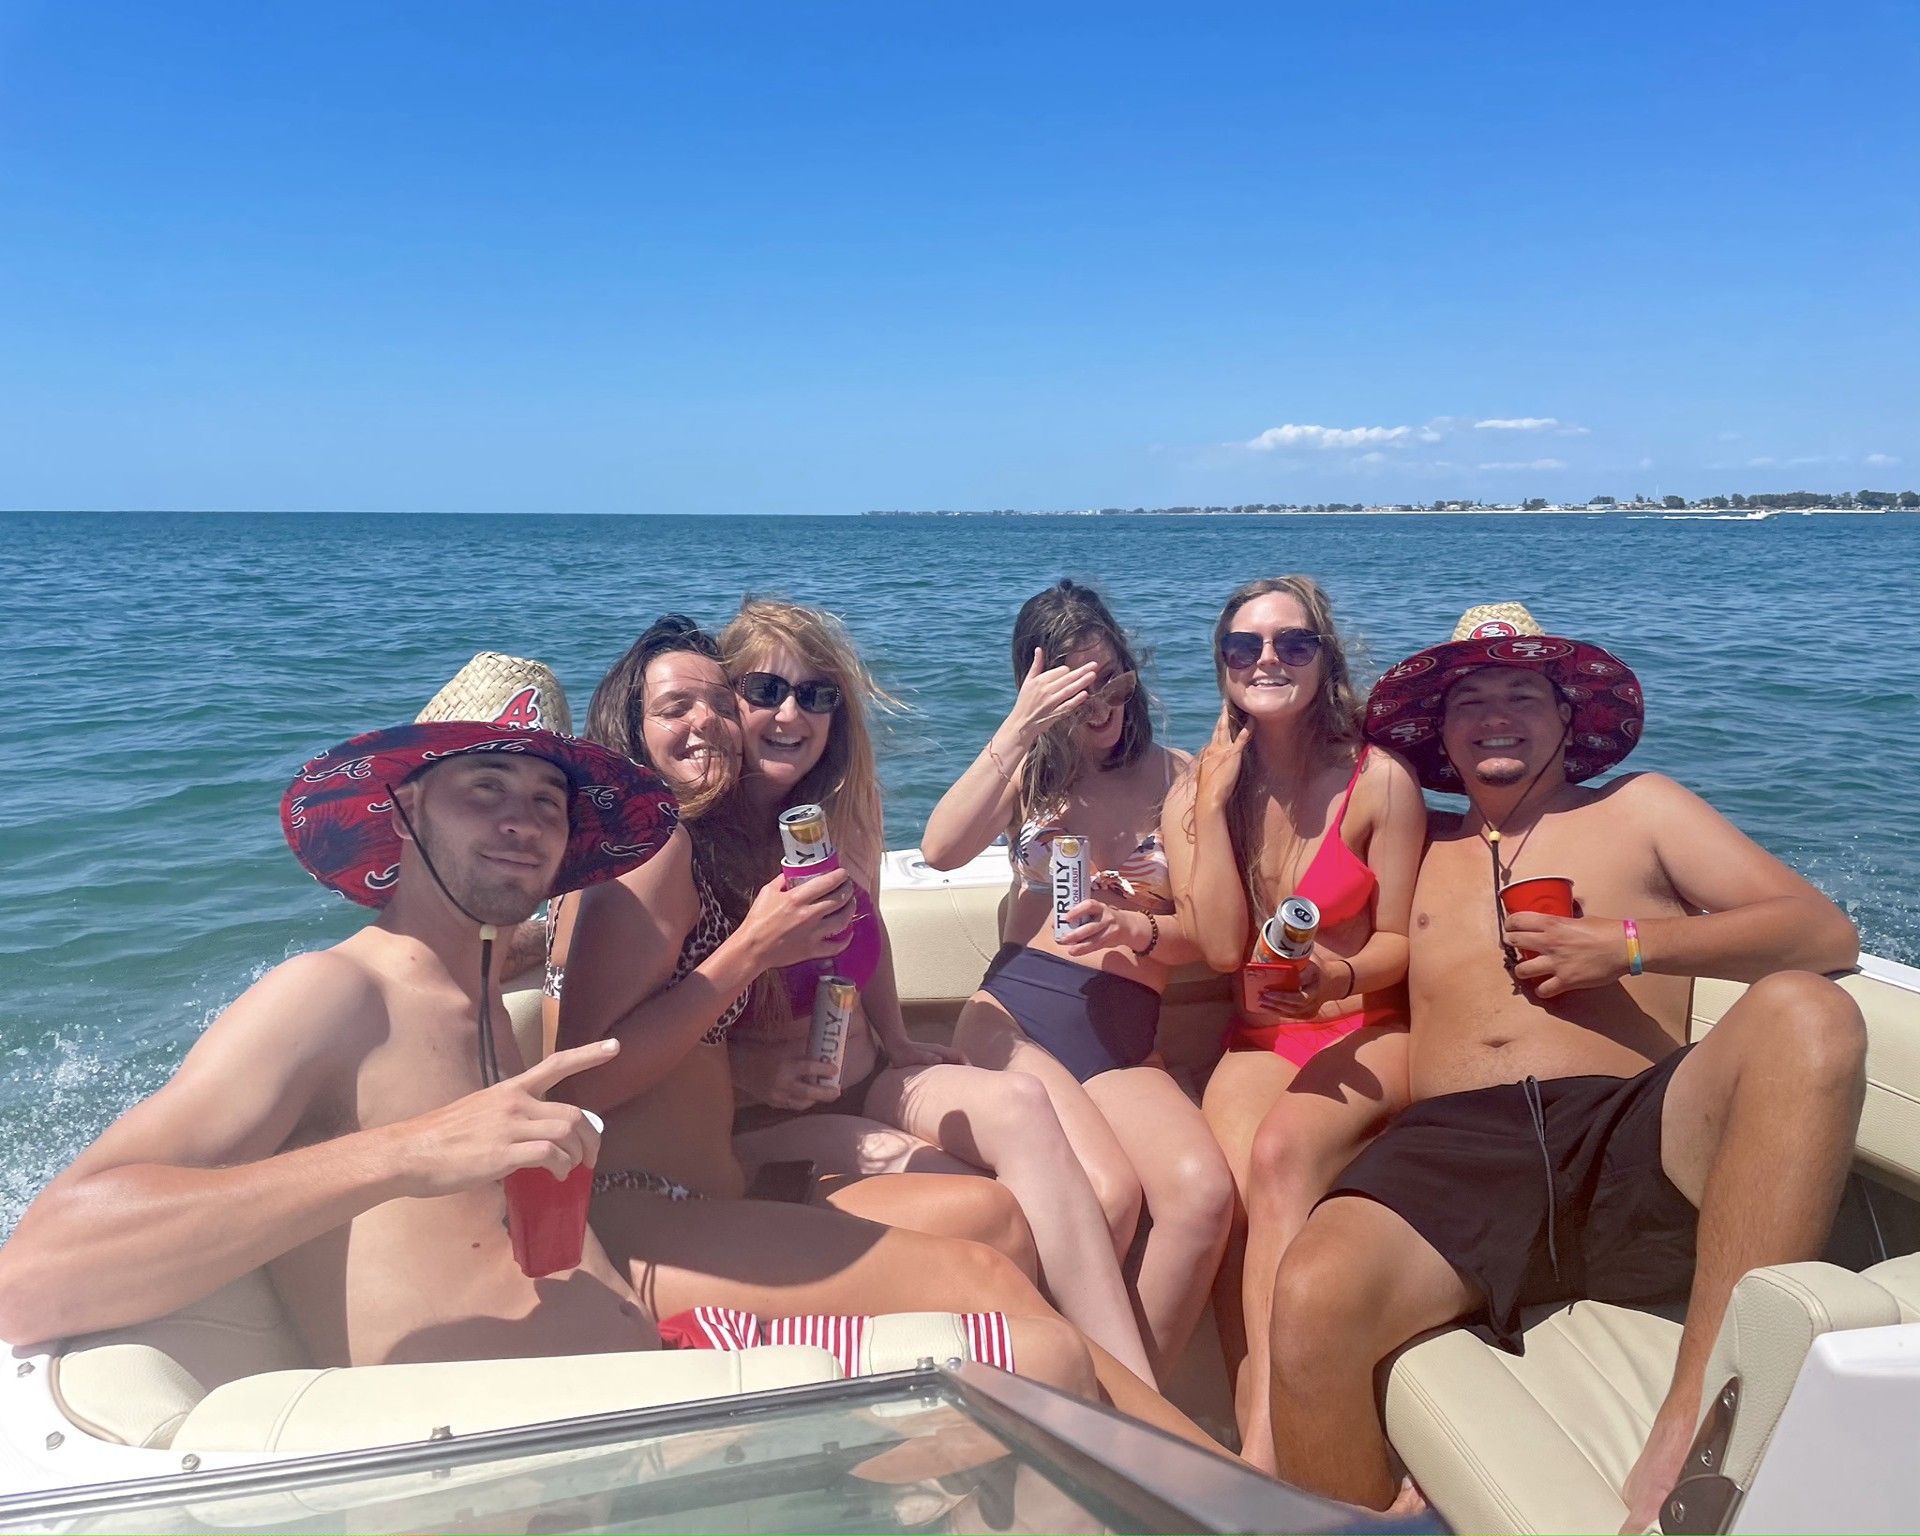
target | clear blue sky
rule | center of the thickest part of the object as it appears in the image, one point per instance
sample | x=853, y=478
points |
x=820, y=258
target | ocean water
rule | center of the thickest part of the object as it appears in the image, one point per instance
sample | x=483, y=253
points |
x=169, y=672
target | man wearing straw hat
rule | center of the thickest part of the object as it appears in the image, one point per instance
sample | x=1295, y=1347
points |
x=349, y=1120
x=1564, y=1140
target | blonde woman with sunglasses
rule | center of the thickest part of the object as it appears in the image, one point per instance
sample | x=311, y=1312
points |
x=804, y=694
x=1080, y=1013
x=1289, y=800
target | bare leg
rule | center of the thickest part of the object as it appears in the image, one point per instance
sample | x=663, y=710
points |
x=843, y=1147
x=1189, y=1195
x=1335, y=1105
x=1004, y=1122
x=965, y=1206
x=1243, y=1087
x=1784, y=1068
x=1356, y=1284
x=990, y=1038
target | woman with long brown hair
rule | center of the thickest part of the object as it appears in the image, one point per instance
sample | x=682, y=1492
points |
x=1079, y=1008
x=804, y=694
x=1287, y=800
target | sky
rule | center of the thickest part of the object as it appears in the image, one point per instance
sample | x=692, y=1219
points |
x=643, y=257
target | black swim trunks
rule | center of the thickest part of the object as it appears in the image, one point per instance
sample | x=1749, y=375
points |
x=1539, y=1192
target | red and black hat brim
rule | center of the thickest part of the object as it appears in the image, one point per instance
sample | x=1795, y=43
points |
x=1404, y=709
x=338, y=813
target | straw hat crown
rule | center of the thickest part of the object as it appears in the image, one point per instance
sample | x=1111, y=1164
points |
x=503, y=690
x=1494, y=621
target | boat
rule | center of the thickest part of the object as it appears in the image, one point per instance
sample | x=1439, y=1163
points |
x=212, y=1418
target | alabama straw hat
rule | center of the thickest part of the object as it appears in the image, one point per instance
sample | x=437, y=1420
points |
x=1403, y=711
x=338, y=812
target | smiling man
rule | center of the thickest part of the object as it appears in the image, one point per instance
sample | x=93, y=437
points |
x=1564, y=1140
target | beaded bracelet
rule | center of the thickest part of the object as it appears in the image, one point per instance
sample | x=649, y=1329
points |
x=1636, y=962
x=1153, y=935
x=998, y=766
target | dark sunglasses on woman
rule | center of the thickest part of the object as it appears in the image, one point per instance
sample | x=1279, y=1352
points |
x=1292, y=647
x=769, y=690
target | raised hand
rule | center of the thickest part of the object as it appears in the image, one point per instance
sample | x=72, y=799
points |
x=482, y=1138
x=1221, y=760
x=1048, y=694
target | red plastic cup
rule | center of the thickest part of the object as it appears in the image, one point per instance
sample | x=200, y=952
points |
x=547, y=1217
x=1551, y=894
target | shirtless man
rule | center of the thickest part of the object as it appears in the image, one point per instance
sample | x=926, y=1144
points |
x=334, y=1123
x=1668, y=1181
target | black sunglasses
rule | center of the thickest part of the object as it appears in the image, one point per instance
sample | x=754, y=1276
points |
x=1294, y=647
x=769, y=690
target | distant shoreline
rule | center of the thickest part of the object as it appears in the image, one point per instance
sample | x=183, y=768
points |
x=1632, y=509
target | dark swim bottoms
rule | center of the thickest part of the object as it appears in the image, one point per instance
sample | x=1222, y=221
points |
x=1539, y=1192
x=852, y=1101
x=1087, y=1020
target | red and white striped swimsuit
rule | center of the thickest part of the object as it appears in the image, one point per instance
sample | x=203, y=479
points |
x=989, y=1340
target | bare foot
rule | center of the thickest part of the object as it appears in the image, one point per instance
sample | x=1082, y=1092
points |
x=1408, y=1502
x=1657, y=1470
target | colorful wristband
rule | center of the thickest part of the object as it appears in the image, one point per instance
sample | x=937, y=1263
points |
x=1636, y=963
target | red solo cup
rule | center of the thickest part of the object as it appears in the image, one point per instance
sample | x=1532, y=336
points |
x=1551, y=894
x=1258, y=975
x=547, y=1217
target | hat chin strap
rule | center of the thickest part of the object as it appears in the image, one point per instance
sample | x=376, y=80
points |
x=489, y=1056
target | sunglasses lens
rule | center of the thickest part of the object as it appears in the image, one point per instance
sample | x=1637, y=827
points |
x=1297, y=650
x=818, y=698
x=1239, y=649
x=762, y=690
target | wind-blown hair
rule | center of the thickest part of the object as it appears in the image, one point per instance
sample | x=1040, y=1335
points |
x=1333, y=717
x=845, y=783
x=1057, y=622
x=616, y=716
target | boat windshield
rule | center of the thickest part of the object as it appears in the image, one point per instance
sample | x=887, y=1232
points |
x=931, y=1450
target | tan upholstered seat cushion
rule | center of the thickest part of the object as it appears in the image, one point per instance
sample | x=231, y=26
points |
x=332, y=1410
x=1539, y=1442
x=133, y=1386
x=1901, y=1278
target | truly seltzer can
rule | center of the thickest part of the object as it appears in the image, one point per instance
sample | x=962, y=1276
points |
x=803, y=833
x=1072, y=874
x=833, y=1000
x=1289, y=933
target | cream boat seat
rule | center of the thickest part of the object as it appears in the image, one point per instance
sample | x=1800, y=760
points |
x=1543, y=1442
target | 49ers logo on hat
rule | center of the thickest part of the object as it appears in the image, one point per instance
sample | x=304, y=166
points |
x=1493, y=629
x=1530, y=648
x=522, y=711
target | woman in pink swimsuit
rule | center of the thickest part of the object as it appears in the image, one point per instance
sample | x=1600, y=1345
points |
x=1288, y=800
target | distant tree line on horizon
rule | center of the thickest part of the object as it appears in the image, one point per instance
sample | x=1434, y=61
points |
x=1776, y=501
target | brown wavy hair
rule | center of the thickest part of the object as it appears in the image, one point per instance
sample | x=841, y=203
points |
x=1058, y=622
x=1334, y=716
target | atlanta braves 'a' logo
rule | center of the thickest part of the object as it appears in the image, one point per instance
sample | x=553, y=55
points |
x=380, y=807
x=383, y=879
x=297, y=812
x=523, y=711
x=602, y=796
x=347, y=768
x=625, y=850
x=498, y=745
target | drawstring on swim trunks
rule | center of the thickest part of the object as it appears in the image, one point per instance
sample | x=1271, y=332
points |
x=1537, y=1110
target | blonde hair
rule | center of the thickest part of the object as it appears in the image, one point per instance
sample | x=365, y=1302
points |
x=845, y=783
x=1333, y=717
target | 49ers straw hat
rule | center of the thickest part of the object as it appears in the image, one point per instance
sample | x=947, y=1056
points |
x=338, y=812
x=1403, y=711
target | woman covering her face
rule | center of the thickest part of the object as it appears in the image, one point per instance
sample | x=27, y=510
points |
x=804, y=695
x=1077, y=1008
x=1287, y=800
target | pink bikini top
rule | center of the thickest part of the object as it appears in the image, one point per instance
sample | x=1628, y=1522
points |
x=1338, y=881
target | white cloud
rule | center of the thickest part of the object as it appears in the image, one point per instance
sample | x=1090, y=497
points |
x=1529, y=424
x=1646, y=463
x=1880, y=460
x=1296, y=436
x=1508, y=464
x=1762, y=462
x=1376, y=457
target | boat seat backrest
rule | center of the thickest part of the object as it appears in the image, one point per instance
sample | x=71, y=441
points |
x=134, y=1386
x=1888, y=1144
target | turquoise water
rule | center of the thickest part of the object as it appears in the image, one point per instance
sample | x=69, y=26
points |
x=171, y=671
